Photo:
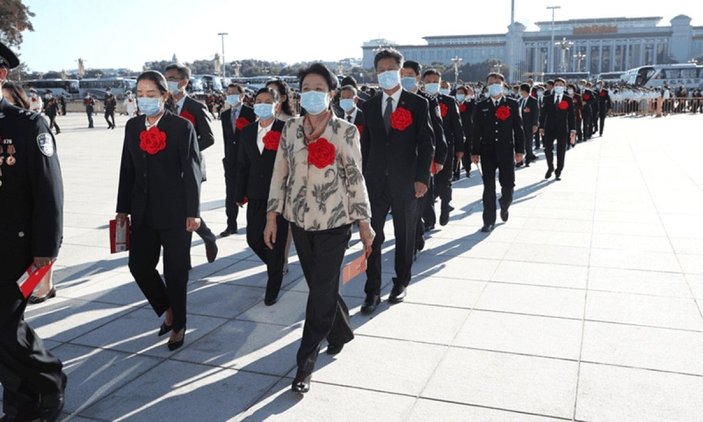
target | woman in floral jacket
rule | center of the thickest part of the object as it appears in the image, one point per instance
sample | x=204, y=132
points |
x=317, y=185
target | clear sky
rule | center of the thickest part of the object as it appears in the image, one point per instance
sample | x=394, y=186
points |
x=126, y=33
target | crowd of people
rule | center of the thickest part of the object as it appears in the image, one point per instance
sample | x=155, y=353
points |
x=309, y=167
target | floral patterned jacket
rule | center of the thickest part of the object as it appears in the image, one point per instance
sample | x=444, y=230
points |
x=317, y=193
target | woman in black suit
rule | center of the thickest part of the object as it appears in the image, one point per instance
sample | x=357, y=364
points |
x=160, y=189
x=258, y=146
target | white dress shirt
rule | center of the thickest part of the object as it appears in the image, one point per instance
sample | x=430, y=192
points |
x=396, y=100
x=260, y=136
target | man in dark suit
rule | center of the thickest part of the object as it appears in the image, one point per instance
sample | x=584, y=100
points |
x=557, y=121
x=110, y=106
x=588, y=97
x=233, y=119
x=31, y=228
x=349, y=107
x=454, y=135
x=497, y=143
x=397, y=151
x=426, y=219
x=604, y=106
x=178, y=76
x=529, y=111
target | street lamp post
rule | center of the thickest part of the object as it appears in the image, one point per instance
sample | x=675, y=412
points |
x=565, y=47
x=224, y=66
x=580, y=57
x=456, y=60
x=551, y=45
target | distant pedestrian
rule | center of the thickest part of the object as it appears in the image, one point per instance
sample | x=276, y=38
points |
x=89, y=104
x=52, y=110
x=110, y=106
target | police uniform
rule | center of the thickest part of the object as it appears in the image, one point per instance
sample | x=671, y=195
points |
x=31, y=214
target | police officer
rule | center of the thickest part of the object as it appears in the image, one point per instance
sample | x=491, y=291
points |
x=31, y=213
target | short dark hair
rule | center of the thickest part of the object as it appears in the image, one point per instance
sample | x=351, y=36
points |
x=320, y=69
x=525, y=87
x=550, y=82
x=349, y=88
x=462, y=88
x=19, y=98
x=412, y=64
x=157, y=78
x=431, y=71
x=562, y=80
x=283, y=89
x=183, y=70
x=273, y=92
x=349, y=80
x=238, y=86
x=495, y=75
x=386, y=53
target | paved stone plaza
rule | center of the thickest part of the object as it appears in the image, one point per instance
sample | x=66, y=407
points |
x=587, y=305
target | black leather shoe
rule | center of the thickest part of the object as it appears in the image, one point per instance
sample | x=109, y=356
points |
x=370, y=304
x=504, y=215
x=36, y=299
x=211, y=251
x=444, y=218
x=548, y=174
x=429, y=227
x=270, y=301
x=228, y=232
x=301, y=385
x=397, y=294
x=557, y=176
x=333, y=349
x=487, y=228
x=173, y=345
x=164, y=329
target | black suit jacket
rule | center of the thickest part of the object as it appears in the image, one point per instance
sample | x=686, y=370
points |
x=493, y=136
x=604, y=103
x=31, y=194
x=466, y=112
x=231, y=135
x=555, y=121
x=166, y=184
x=254, y=168
x=530, y=114
x=589, y=99
x=439, y=139
x=401, y=156
x=198, y=111
x=453, y=132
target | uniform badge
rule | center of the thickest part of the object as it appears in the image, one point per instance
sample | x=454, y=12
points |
x=527, y=109
x=45, y=144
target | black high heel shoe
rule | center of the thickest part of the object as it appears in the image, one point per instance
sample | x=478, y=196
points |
x=164, y=329
x=173, y=345
x=301, y=385
x=36, y=299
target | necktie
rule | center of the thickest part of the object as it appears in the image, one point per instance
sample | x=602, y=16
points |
x=387, y=114
x=557, y=99
x=349, y=118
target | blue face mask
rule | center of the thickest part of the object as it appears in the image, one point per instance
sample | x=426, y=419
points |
x=173, y=87
x=432, y=88
x=314, y=102
x=495, y=90
x=444, y=91
x=389, y=79
x=263, y=111
x=233, y=100
x=347, y=104
x=149, y=106
x=409, y=83
x=559, y=90
x=460, y=97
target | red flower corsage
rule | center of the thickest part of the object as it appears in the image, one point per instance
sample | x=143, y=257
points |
x=503, y=113
x=241, y=122
x=433, y=169
x=321, y=153
x=152, y=141
x=462, y=107
x=401, y=118
x=563, y=105
x=442, y=109
x=603, y=94
x=271, y=140
x=586, y=97
x=360, y=128
x=188, y=115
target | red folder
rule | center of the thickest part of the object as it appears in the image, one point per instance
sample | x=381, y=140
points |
x=29, y=280
x=354, y=268
x=119, y=236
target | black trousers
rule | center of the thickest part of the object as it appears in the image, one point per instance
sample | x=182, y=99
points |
x=90, y=117
x=405, y=215
x=274, y=258
x=528, y=135
x=506, y=176
x=231, y=208
x=443, y=181
x=602, y=123
x=587, y=125
x=53, y=125
x=110, y=118
x=425, y=208
x=144, y=253
x=27, y=368
x=548, y=142
x=326, y=315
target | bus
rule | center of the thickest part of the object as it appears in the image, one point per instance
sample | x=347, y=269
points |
x=567, y=76
x=609, y=77
x=69, y=88
x=689, y=75
x=97, y=87
x=211, y=82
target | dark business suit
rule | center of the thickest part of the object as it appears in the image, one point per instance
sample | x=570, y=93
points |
x=604, y=106
x=530, y=118
x=253, y=180
x=160, y=192
x=466, y=111
x=393, y=160
x=197, y=113
x=31, y=225
x=454, y=135
x=557, y=124
x=231, y=136
x=589, y=98
x=497, y=141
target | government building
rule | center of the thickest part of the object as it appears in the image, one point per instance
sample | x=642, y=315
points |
x=585, y=45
